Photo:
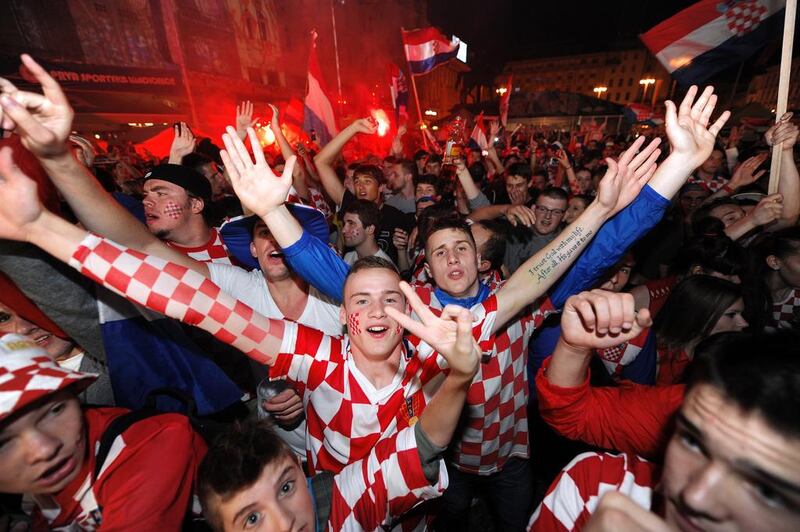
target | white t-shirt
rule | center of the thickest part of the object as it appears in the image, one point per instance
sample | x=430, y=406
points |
x=352, y=256
x=251, y=288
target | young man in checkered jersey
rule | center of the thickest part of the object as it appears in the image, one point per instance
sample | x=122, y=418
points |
x=733, y=458
x=49, y=445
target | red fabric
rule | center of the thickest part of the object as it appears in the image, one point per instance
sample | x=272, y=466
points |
x=29, y=164
x=631, y=418
x=146, y=483
x=659, y=290
x=13, y=298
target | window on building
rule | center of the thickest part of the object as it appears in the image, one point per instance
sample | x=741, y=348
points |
x=611, y=83
x=627, y=96
x=630, y=82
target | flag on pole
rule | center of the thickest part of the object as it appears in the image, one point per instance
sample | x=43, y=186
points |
x=711, y=35
x=399, y=90
x=504, y=102
x=428, y=48
x=478, y=136
x=318, y=109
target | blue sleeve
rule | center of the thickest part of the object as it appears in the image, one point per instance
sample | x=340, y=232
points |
x=613, y=239
x=318, y=265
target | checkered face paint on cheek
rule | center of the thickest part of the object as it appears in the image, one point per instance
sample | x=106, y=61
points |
x=398, y=330
x=173, y=210
x=354, y=324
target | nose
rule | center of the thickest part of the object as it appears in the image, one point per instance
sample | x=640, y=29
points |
x=147, y=202
x=280, y=518
x=40, y=446
x=614, y=279
x=741, y=322
x=703, y=493
x=24, y=326
x=452, y=258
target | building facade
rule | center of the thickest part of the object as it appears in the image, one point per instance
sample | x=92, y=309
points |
x=763, y=88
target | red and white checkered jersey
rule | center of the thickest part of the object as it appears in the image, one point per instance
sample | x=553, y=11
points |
x=156, y=456
x=496, y=408
x=712, y=185
x=659, y=290
x=617, y=357
x=575, y=493
x=212, y=251
x=345, y=415
x=388, y=482
x=786, y=313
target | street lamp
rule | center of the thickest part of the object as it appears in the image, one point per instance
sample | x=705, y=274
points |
x=646, y=82
x=430, y=112
x=599, y=91
x=501, y=91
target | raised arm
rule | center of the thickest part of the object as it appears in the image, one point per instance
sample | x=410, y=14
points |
x=325, y=158
x=298, y=172
x=165, y=287
x=244, y=118
x=43, y=122
x=621, y=184
x=182, y=144
x=783, y=136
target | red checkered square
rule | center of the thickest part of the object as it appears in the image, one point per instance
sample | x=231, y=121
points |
x=786, y=313
x=745, y=16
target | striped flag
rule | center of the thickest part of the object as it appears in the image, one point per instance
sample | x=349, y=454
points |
x=318, y=109
x=399, y=90
x=478, y=136
x=428, y=48
x=712, y=35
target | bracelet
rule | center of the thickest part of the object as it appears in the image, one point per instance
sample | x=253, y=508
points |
x=727, y=188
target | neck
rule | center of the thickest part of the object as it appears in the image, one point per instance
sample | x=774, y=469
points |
x=408, y=190
x=704, y=175
x=367, y=248
x=290, y=294
x=379, y=370
x=472, y=291
x=192, y=235
x=777, y=285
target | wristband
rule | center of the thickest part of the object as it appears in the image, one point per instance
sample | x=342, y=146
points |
x=727, y=188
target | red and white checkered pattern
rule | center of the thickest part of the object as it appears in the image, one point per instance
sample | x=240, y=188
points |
x=575, y=493
x=345, y=415
x=713, y=185
x=212, y=251
x=27, y=374
x=617, y=357
x=786, y=313
x=385, y=484
x=174, y=291
x=745, y=16
x=659, y=290
x=496, y=406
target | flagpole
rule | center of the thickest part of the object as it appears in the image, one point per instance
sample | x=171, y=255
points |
x=413, y=87
x=336, y=53
x=783, y=89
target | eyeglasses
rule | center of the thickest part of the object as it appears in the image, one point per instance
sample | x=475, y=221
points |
x=544, y=211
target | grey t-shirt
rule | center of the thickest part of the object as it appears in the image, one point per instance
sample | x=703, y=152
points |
x=518, y=251
x=402, y=204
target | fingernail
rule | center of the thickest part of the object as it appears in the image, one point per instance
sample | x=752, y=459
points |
x=627, y=325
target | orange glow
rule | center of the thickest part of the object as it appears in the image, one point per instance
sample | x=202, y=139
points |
x=265, y=135
x=383, y=121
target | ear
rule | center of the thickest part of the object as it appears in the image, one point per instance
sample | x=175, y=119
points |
x=696, y=270
x=370, y=229
x=197, y=205
x=483, y=265
x=428, y=270
x=253, y=249
x=342, y=316
x=773, y=262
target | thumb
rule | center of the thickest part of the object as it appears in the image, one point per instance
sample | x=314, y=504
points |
x=671, y=115
x=643, y=319
x=288, y=169
x=464, y=331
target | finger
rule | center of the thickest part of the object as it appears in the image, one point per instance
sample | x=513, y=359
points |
x=464, y=339
x=671, y=114
x=420, y=309
x=616, y=314
x=237, y=165
x=705, y=115
x=255, y=145
x=686, y=105
x=645, y=153
x=585, y=312
x=629, y=154
x=283, y=396
x=720, y=123
x=602, y=312
x=786, y=117
x=643, y=319
x=7, y=87
x=288, y=169
x=628, y=310
x=239, y=147
x=50, y=86
x=24, y=120
x=648, y=166
x=699, y=105
x=758, y=174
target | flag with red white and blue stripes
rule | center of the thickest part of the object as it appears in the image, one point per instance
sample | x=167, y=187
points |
x=428, y=48
x=318, y=115
x=712, y=35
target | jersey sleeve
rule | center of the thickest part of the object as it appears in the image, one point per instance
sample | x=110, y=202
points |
x=612, y=241
x=318, y=265
x=390, y=481
x=149, y=485
x=630, y=418
x=304, y=356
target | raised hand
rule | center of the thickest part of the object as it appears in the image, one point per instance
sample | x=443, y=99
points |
x=626, y=176
x=449, y=334
x=769, y=209
x=601, y=319
x=19, y=203
x=687, y=127
x=43, y=121
x=400, y=239
x=274, y=122
x=562, y=157
x=257, y=187
x=745, y=174
x=244, y=118
x=783, y=133
x=182, y=144
x=519, y=196
x=368, y=126
x=521, y=214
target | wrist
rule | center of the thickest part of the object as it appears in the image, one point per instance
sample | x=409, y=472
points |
x=568, y=348
x=61, y=156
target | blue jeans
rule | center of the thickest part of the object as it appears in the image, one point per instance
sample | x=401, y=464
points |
x=508, y=494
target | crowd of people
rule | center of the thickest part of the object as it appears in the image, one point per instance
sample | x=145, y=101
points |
x=563, y=330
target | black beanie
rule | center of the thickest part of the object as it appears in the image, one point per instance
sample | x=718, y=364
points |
x=195, y=183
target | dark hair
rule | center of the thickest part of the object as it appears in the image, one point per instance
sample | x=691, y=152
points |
x=409, y=167
x=420, y=154
x=713, y=254
x=781, y=244
x=429, y=179
x=369, y=263
x=449, y=222
x=760, y=373
x=369, y=170
x=554, y=193
x=196, y=161
x=435, y=158
x=367, y=212
x=520, y=169
x=494, y=250
x=235, y=461
x=585, y=198
x=692, y=309
x=478, y=172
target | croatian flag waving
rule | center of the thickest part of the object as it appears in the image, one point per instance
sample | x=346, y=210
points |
x=712, y=35
x=478, y=136
x=428, y=48
x=318, y=109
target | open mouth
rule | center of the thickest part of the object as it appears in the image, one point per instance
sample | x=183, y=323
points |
x=455, y=275
x=275, y=255
x=58, y=472
x=377, y=331
x=43, y=339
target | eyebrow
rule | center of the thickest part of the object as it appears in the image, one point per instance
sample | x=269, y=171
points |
x=396, y=292
x=687, y=425
x=463, y=240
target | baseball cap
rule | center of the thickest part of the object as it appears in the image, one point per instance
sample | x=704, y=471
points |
x=237, y=233
x=27, y=374
x=194, y=182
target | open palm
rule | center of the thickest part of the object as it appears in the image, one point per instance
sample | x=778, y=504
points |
x=19, y=202
x=687, y=127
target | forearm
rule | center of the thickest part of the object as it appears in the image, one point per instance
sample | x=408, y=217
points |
x=285, y=228
x=789, y=188
x=741, y=227
x=470, y=189
x=174, y=291
x=318, y=265
x=441, y=415
x=490, y=212
x=672, y=174
x=569, y=366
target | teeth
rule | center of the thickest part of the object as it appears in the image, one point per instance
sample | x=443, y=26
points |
x=276, y=254
x=376, y=329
